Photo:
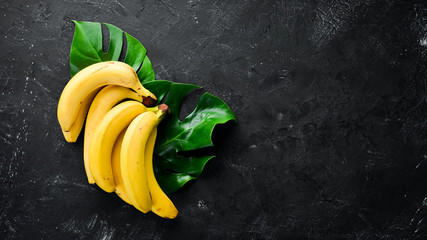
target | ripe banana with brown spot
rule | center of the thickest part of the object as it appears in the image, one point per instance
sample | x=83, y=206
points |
x=160, y=202
x=115, y=164
x=104, y=101
x=101, y=146
x=76, y=128
x=132, y=160
x=92, y=78
x=133, y=157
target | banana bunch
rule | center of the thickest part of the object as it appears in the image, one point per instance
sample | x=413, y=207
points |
x=120, y=133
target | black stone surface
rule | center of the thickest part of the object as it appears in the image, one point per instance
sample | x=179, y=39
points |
x=331, y=104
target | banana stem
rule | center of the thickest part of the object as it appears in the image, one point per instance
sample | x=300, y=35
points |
x=161, y=111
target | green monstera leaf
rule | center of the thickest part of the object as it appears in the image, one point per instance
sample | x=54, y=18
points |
x=173, y=168
x=87, y=49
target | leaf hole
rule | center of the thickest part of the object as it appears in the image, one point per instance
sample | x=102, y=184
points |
x=140, y=66
x=190, y=102
x=218, y=135
x=124, y=48
x=164, y=98
x=105, y=38
x=221, y=131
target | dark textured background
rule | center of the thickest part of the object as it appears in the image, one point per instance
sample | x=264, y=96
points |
x=331, y=104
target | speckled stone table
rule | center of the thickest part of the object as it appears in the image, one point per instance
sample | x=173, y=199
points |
x=331, y=137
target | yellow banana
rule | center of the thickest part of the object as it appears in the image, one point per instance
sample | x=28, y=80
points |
x=101, y=146
x=115, y=164
x=76, y=128
x=132, y=160
x=133, y=155
x=160, y=203
x=91, y=78
x=106, y=99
